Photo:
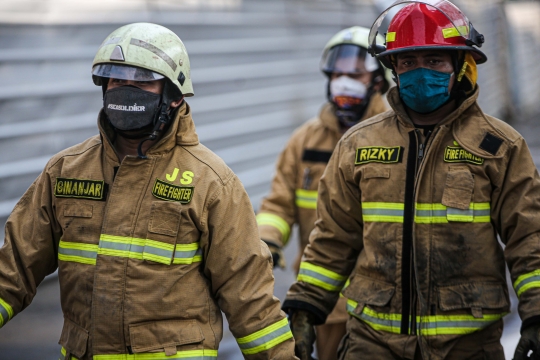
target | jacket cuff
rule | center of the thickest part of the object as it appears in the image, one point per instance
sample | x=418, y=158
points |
x=530, y=321
x=289, y=306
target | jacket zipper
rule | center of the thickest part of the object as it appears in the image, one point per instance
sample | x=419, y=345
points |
x=408, y=277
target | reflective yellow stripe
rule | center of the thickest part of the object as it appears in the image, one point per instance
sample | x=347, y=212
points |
x=306, y=199
x=6, y=312
x=77, y=252
x=429, y=325
x=454, y=32
x=527, y=281
x=276, y=222
x=184, y=355
x=321, y=277
x=390, y=36
x=425, y=213
x=266, y=338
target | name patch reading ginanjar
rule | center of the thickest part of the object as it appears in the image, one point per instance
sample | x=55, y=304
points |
x=165, y=191
x=380, y=154
x=79, y=189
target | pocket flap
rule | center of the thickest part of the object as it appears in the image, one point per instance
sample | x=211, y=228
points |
x=369, y=291
x=74, y=338
x=472, y=295
x=158, y=335
x=165, y=218
x=458, y=188
x=78, y=210
x=376, y=172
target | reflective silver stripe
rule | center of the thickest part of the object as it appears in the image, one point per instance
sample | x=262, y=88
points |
x=430, y=213
x=321, y=277
x=482, y=212
x=180, y=254
x=5, y=315
x=121, y=246
x=385, y=212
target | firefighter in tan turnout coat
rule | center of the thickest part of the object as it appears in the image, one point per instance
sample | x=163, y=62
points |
x=152, y=233
x=356, y=82
x=410, y=207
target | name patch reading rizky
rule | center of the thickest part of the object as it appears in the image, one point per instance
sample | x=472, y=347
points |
x=380, y=154
x=165, y=191
x=80, y=189
x=455, y=154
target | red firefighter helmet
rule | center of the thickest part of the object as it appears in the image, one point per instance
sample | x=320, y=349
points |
x=423, y=25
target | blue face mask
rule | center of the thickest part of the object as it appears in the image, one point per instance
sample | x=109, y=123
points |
x=424, y=90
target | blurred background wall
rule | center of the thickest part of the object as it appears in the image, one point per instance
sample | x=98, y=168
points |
x=255, y=69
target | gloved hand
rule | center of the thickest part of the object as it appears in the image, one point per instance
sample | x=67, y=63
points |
x=530, y=340
x=277, y=254
x=304, y=334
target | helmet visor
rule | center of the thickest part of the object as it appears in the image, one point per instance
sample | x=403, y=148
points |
x=124, y=72
x=348, y=59
x=462, y=25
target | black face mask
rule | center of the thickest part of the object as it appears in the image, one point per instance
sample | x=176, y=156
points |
x=130, y=108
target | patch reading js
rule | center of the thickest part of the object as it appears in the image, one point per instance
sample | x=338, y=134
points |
x=386, y=155
x=80, y=189
x=165, y=191
x=459, y=155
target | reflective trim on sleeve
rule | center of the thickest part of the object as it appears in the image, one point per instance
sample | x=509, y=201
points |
x=184, y=355
x=306, y=199
x=526, y=282
x=266, y=338
x=276, y=222
x=382, y=212
x=429, y=325
x=187, y=253
x=77, y=252
x=6, y=312
x=321, y=277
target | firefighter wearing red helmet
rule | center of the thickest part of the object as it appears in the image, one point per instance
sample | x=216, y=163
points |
x=412, y=203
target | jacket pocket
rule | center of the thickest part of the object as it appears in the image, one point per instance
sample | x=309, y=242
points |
x=372, y=172
x=473, y=296
x=164, y=335
x=74, y=338
x=162, y=232
x=457, y=195
x=367, y=291
x=78, y=210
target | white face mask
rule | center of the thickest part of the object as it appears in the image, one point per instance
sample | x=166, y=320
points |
x=344, y=86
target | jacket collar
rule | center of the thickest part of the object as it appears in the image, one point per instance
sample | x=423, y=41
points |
x=398, y=107
x=180, y=132
x=330, y=120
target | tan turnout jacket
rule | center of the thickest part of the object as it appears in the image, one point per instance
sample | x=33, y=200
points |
x=148, y=251
x=415, y=225
x=293, y=198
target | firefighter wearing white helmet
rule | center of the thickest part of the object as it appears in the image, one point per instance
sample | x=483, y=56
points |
x=356, y=82
x=152, y=234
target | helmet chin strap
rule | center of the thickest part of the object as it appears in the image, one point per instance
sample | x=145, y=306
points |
x=160, y=124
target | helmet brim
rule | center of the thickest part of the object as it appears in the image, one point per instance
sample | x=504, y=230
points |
x=384, y=57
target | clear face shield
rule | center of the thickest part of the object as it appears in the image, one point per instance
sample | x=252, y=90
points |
x=122, y=72
x=461, y=24
x=348, y=59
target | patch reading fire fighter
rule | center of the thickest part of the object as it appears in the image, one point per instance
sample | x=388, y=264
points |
x=456, y=154
x=380, y=154
x=80, y=189
x=165, y=191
